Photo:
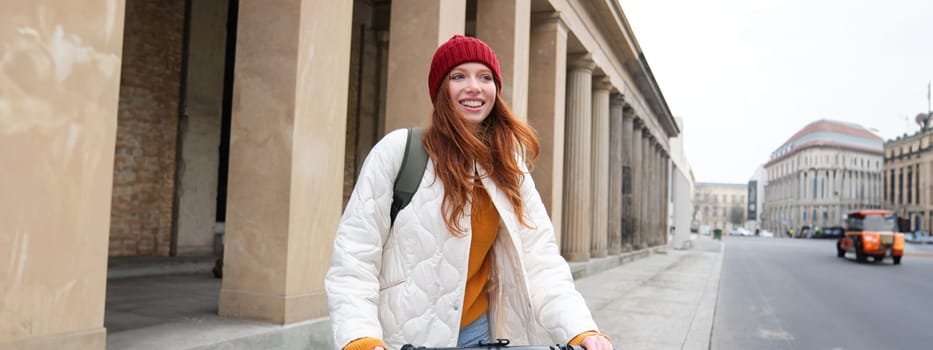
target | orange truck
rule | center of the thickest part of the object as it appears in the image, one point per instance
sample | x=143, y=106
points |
x=872, y=233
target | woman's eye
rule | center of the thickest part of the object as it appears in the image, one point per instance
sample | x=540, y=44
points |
x=487, y=77
x=456, y=76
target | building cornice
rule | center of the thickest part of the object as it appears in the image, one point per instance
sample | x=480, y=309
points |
x=823, y=144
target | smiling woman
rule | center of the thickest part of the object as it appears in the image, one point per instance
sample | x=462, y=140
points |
x=473, y=256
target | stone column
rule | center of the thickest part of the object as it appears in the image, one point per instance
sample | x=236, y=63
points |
x=600, y=170
x=835, y=186
x=647, y=216
x=850, y=189
x=656, y=212
x=285, y=177
x=546, y=110
x=504, y=25
x=58, y=121
x=628, y=178
x=915, y=189
x=896, y=188
x=887, y=187
x=662, y=196
x=638, y=202
x=802, y=184
x=813, y=187
x=648, y=213
x=578, y=212
x=196, y=186
x=420, y=27
x=615, y=174
x=903, y=186
x=668, y=192
x=665, y=197
x=659, y=195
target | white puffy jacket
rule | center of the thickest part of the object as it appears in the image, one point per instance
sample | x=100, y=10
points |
x=405, y=284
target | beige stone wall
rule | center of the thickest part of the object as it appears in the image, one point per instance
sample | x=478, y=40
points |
x=144, y=168
x=59, y=80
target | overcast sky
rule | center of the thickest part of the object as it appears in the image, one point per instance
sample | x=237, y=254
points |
x=745, y=75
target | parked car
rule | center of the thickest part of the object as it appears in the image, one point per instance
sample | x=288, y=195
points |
x=829, y=232
x=765, y=234
x=739, y=231
x=872, y=233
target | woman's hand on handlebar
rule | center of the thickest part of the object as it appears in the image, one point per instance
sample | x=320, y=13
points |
x=596, y=342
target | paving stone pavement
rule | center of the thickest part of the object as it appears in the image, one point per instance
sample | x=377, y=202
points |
x=664, y=301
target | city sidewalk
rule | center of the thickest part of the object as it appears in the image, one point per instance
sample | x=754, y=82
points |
x=651, y=299
x=664, y=301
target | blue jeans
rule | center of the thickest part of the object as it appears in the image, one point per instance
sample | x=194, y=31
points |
x=474, y=332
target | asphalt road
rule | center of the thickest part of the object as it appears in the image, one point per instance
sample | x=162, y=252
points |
x=796, y=294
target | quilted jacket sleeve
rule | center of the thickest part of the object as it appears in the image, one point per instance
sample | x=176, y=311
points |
x=559, y=308
x=352, y=282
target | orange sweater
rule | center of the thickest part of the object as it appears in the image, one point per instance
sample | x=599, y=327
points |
x=485, y=223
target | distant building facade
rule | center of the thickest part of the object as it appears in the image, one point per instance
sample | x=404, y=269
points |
x=719, y=205
x=908, y=187
x=821, y=172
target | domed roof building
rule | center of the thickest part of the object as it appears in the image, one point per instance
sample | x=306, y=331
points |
x=821, y=172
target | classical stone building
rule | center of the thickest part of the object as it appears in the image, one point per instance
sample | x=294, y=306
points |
x=161, y=128
x=719, y=205
x=908, y=184
x=823, y=171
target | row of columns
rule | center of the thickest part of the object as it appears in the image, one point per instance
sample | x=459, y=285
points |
x=904, y=188
x=839, y=184
x=903, y=191
x=624, y=204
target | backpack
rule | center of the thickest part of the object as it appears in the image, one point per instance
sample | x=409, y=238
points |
x=410, y=173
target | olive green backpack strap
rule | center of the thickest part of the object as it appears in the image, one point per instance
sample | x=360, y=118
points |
x=410, y=173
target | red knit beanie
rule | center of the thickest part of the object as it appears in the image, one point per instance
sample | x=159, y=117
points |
x=458, y=50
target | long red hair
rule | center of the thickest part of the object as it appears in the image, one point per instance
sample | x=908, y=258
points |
x=453, y=147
